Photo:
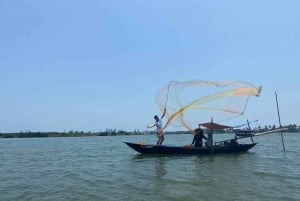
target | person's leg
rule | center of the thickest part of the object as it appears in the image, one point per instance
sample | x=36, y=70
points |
x=161, y=139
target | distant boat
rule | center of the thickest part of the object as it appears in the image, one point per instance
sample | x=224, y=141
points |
x=244, y=133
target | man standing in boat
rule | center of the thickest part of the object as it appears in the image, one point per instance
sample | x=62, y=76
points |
x=159, y=126
x=197, y=140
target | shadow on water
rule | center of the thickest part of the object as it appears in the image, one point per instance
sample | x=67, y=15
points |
x=138, y=157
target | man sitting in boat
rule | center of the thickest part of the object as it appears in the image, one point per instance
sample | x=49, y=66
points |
x=233, y=142
x=197, y=140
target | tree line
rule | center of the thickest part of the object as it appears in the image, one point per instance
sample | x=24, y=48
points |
x=115, y=132
x=71, y=133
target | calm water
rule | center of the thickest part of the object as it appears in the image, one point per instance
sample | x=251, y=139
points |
x=104, y=168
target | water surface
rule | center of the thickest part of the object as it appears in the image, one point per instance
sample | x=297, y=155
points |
x=104, y=168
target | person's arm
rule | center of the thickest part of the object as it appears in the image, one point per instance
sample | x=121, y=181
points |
x=162, y=116
x=194, y=140
x=150, y=125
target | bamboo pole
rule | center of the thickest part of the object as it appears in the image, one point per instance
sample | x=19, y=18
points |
x=279, y=122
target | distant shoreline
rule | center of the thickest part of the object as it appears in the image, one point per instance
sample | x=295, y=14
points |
x=110, y=132
x=79, y=134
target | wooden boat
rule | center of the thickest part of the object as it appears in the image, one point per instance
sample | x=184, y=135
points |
x=227, y=146
x=215, y=149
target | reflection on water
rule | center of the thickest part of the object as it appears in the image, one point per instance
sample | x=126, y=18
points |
x=158, y=161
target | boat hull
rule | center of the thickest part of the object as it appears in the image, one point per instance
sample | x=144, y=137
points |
x=153, y=149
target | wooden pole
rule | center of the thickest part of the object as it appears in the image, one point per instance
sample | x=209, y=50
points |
x=250, y=131
x=210, y=135
x=279, y=122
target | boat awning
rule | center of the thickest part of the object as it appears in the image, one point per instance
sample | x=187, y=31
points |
x=214, y=126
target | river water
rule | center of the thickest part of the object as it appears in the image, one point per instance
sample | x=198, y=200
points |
x=104, y=168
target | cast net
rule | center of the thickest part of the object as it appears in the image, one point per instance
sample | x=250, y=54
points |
x=193, y=102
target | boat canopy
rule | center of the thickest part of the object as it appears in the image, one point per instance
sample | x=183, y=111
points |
x=214, y=126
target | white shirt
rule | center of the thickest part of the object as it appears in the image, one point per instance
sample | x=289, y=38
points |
x=158, y=124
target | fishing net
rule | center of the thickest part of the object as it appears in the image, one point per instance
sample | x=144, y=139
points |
x=193, y=102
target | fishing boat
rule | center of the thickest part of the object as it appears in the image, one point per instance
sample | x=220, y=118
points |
x=226, y=146
x=174, y=98
x=164, y=149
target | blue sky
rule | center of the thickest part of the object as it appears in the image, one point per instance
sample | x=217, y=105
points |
x=92, y=65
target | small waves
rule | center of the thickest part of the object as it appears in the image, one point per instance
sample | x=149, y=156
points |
x=103, y=168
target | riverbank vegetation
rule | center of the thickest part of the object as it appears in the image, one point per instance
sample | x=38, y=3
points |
x=114, y=132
